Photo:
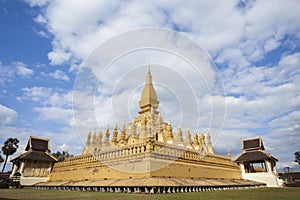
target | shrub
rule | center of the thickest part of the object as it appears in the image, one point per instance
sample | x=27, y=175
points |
x=3, y=183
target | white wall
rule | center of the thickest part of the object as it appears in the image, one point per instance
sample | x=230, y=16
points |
x=32, y=180
x=264, y=177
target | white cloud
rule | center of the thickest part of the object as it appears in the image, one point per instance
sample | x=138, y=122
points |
x=51, y=104
x=7, y=115
x=79, y=31
x=56, y=114
x=291, y=60
x=60, y=75
x=6, y=75
x=58, y=57
x=48, y=96
x=61, y=99
x=272, y=19
x=255, y=30
x=9, y=72
x=37, y=93
x=22, y=70
x=34, y=3
x=292, y=165
x=40, y=19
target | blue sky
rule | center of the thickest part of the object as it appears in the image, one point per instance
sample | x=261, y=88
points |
x=254, y=44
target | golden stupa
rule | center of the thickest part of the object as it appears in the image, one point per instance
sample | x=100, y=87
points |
x=147, y=153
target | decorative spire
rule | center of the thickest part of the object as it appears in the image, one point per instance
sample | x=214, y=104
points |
x=202, y=147
x=123, y=134
x=88, y=141
x=160, y=135
x=115, y=136
x=169, y=133
x=228, y=154
x=209, y=145
x=188, y=142
x=149, y=97
x=134, y=137
x=196, y=141
x=149, y=76
x=94, y=143
x=202, y=140
x=179, y=140
x=143, y=136
x=107, y=134
x=87, y=145
x=99, y=140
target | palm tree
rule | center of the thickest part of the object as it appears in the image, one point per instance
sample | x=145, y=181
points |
x=9, y=148
x=1, y=159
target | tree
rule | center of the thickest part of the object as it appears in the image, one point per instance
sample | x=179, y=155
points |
x=9, y=148
x=297, y=157
x=287, y=169
x=61, y=156
x=1, y=159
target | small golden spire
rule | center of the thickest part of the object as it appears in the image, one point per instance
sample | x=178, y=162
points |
x=202, y=139
x=123, y=134
x=178, y=127
x=169, y=133
x=100, y=135
x=88, y=141
x=208, y=144
x=188, y=142
x=115, y=135
x=107, y=134
x=99, y=140
x=94, y=141
x=179, y=140
x=228, y=154
x=196, y=141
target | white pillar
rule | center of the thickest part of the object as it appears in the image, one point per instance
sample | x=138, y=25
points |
x=274, y=169
x=14, y=170
x=22, y=167
x=269, y=168
x=49, y=169
x=242, y=166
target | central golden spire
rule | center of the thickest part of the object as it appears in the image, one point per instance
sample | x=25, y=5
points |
x=149, y=97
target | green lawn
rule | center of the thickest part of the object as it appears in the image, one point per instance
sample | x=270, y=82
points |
x=260, y=193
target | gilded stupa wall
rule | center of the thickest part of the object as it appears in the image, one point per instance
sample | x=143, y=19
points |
x=147, y=147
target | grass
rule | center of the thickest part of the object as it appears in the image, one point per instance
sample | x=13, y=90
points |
x=260, y=193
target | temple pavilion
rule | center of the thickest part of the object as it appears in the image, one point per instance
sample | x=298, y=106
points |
x=36, y=163
x=147, y=155
x=256, y=164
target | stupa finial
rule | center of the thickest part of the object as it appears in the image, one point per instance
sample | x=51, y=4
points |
x=149, y=98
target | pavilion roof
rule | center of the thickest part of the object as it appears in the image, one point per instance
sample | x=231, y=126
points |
x=38, y=144
x=36, y=155
x=253, y=144
x=256, y=155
